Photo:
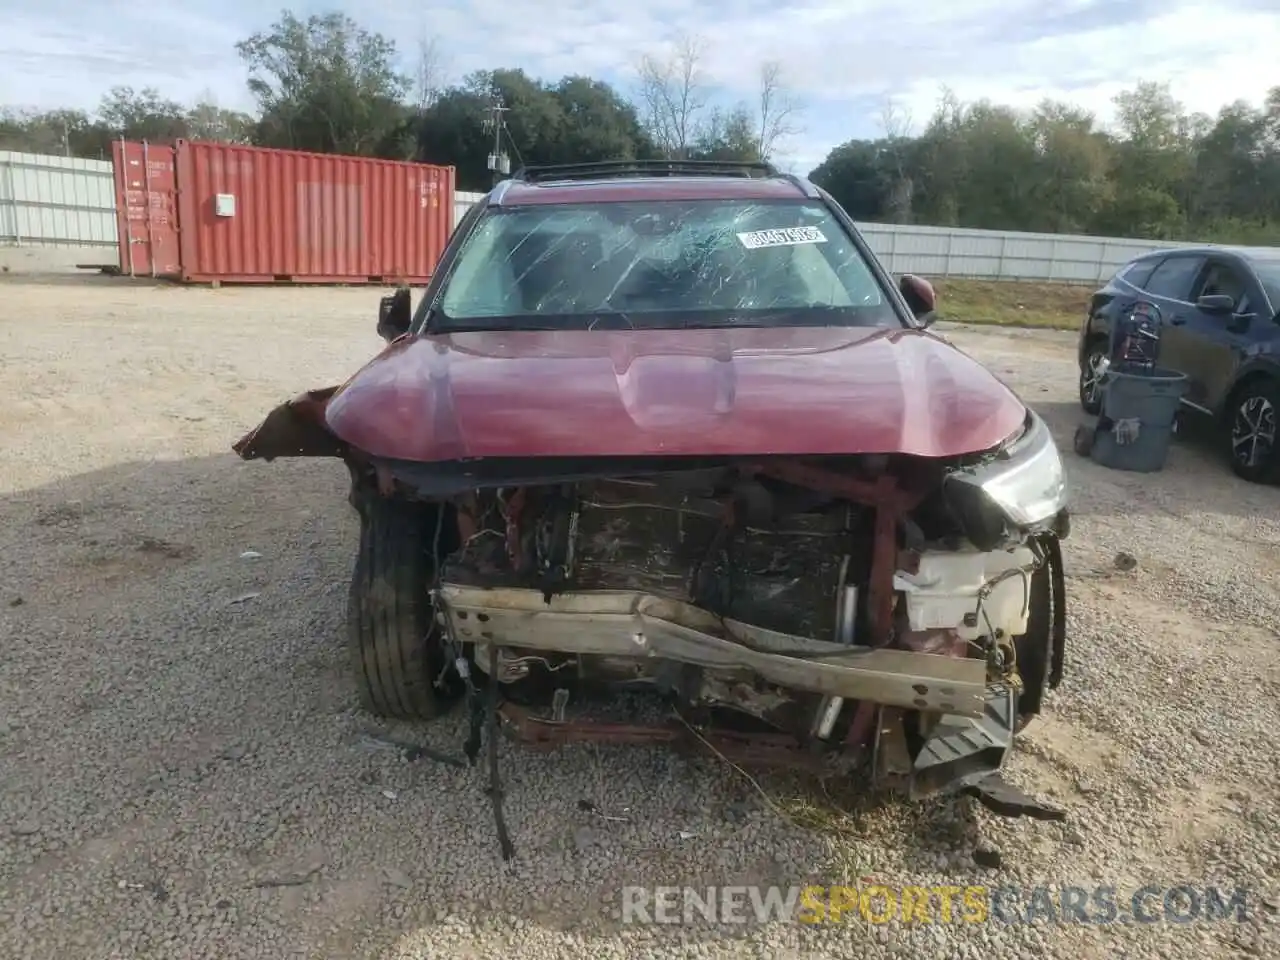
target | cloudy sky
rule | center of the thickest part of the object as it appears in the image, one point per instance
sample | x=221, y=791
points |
x=845, y=58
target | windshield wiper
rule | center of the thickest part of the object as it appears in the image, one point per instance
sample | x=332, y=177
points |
x=759, y=320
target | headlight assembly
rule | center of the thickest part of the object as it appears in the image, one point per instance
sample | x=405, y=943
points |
x=1021, y=486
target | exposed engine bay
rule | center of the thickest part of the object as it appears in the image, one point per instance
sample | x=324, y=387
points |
x=787, y=594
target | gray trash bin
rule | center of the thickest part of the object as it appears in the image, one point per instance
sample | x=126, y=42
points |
x=1136, y=426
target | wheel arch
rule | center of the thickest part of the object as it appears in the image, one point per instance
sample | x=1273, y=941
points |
x=400, y=660
x=1092, y=335
x=1260, y=371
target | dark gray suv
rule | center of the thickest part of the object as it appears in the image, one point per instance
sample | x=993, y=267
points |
x=1221, y=310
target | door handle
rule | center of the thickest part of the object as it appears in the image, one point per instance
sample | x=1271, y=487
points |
x=1177, y=320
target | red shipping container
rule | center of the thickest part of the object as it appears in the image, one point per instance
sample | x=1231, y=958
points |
x=205, y=212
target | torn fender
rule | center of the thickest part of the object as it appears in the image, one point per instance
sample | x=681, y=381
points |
x=294, y=429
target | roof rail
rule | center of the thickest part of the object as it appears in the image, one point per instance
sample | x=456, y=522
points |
x=803, y=184
x=606, y=169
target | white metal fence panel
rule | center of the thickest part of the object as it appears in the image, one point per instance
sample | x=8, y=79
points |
x=56, y=201
x=462, y=202
x=997, y=255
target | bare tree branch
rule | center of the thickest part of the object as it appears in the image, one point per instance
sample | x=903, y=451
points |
x=780, y=111
x=672, y=96
x=896, y=124
x=430, y=77
x=895, y=121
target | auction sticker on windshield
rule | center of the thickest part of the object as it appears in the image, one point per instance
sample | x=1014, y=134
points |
x=784, y=237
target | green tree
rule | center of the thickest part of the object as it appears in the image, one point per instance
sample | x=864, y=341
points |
x=598, y=123
x=143, y=115
x=451, y=132
x=1071, y=159
x=576, y=120
x=208, y=121
x=1152, y=163
x=860, y=175
x=727, y=135
x=324, y=84
x=1163, y=173
x=71, y=133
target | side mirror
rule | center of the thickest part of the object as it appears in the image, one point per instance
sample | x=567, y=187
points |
x=394, y=315
x=1216, y=303
x=920, y=297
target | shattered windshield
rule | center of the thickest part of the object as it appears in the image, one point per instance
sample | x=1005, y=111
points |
x=661, y=265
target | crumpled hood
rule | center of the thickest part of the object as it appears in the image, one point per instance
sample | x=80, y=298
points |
x=716, y=392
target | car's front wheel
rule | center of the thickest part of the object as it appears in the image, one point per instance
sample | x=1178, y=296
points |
x=1091, y=377
x=397, y=652
x=1252, y=420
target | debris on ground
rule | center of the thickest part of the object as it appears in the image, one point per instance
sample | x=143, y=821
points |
x=412, y=752
x=988, y=858
x=289, y=879
x=1126, y=561
x=396, y=878
x=586, y=806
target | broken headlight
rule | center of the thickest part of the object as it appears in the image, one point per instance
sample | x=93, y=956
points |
x=1023, y=485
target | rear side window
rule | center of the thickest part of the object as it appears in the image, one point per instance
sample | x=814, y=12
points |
x=1138, y=272
x=1173, y=278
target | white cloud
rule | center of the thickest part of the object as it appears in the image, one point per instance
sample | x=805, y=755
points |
x=844, y=56
x=1205, y=65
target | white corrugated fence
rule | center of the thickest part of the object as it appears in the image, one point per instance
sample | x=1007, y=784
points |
x=48, y=201
x=60, y=201
x=999, y=255
x=462, y=202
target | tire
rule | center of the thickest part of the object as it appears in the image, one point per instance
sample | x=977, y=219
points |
x=1090, y=396
x=1033, y=650
x=396, y=650
x=1253, y=430
x=1082, y=442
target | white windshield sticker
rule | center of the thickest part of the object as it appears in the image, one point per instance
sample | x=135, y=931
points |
x=786, y=237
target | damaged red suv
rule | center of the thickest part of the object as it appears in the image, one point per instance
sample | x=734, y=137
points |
x=672, y=427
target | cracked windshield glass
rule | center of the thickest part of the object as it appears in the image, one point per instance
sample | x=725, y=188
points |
x=661, y=265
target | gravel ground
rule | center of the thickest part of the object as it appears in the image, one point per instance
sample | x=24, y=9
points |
x=185, y=772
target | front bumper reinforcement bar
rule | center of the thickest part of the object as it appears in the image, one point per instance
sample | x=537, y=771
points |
x=624, y=623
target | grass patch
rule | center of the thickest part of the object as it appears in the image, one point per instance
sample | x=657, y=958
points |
x=1008, y=303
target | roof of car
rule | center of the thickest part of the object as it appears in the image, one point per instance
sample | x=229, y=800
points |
x=1248, y=253
x=618, y=181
